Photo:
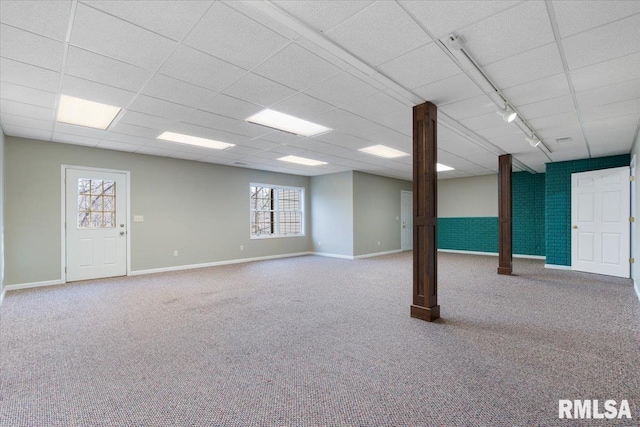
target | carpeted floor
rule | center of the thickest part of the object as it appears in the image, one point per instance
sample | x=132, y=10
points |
x=313, y=341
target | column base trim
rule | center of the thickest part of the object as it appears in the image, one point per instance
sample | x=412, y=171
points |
x=505, y=270
x=428, y=314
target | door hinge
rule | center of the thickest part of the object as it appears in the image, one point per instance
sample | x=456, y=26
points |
x=631, y=178
x=632, y=219
x=631, y=260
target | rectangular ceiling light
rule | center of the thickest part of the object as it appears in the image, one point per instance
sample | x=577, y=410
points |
x=81, y=112
x=302, y=161
x=383, y=151
x=281, y=121
x=194, y=140
x=443, y=168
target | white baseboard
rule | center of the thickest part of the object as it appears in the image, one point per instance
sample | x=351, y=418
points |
x=395, y=251
x=637, y=288
x=4, y=291
x=33, y=285
x=454, y=251
x=329, y=255
x=557, y=267
x=215, y=264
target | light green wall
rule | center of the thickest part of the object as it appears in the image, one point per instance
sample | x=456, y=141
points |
x=376, y=212
x=1, y=211
x=332, y=213
x=468, y=197
x=199, y=209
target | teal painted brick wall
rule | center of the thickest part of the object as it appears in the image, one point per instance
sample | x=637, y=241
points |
x=528, y=213
x=558, y=202
x=479, y=234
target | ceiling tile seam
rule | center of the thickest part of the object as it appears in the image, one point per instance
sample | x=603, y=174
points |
x=469, y=161
x=481, y=70
x=129, y=22
x=600, y=26
x=556, y=33
x=346, y=19
x=229, y=4
x=117, y=119
x=635, y=135
x=72, y=16
x=32, y=32
x=26, y=103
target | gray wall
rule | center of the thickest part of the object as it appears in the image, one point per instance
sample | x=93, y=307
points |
x=1, y=210
x=332, y=213
x=635, y=244
x=468, y=197
x=376, y=201
x=199, y=209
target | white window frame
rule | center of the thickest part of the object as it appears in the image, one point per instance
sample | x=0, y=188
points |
x=277, y=217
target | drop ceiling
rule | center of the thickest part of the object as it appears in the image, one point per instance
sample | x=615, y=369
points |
x=201, y=68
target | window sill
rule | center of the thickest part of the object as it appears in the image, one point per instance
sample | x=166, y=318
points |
x=276, y=236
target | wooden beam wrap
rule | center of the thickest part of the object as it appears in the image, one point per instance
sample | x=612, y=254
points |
x=505, y=242
x=425, y=213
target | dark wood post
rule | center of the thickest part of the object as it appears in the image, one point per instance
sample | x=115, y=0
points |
x=505, y=242
x=425, y=214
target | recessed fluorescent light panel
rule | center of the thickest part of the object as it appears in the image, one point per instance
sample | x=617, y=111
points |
x=383, y=151
x=443, y=168
x=194, y=140
x=81, y=112
x=281, y=121
x=302, y=161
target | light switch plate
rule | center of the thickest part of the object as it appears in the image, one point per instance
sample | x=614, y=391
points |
x=138, y=218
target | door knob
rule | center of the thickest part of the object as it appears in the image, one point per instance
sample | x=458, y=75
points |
x=574, y=227
x=122, y=233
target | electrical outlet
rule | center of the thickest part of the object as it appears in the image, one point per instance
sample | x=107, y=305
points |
x=175, y=253
x=138, y=218
x=397, y=218
x=241, y=247
x=378, y=242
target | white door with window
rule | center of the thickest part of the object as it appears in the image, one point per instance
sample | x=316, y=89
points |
x=406, y=223
x=96, y=224
x=600, y=226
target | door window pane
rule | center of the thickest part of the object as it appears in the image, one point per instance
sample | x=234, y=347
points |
x=96, y=203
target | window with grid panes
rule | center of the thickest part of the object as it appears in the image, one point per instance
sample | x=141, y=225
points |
x=276, y=211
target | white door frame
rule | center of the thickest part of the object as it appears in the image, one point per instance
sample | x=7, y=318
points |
x=632, y=172
x=402, y=192
x=63, y=215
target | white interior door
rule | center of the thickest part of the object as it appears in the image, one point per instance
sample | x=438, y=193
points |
x=96, y=224
x=600, y=221
x=406, y=217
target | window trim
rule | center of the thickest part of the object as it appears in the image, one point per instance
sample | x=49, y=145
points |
x=303, y=231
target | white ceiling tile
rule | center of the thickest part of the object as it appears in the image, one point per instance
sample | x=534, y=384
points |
x=549, y=107
x=25, y=110
x=125, y=42
x=606, y=73
x=209, y=120
x=616, y=122
x=90, y=66
x=497, y=132
x=609, y=141
x=28, y=75
x=120, y=146
x=518, y=29
x=551, y=134
x=30, y=48
x=576, y=151
x=158, y=107
x=484, y=121
x=449, y=90
x=260, y=144
x=577, y=16
x=344, y=140
x=395, y=33
x=75, y=139
x=185, y=156
x=68, y=129
x=616, y=109
x=610, y=149
x=233, y=37
x=26, y=122
x=172, y=19
x=610, y=41
x=248, y=9
x=302, y=106
x=341, y=89
x=153, y=151
x=421, y=66
x=374, y=106
x=297, y=68
x=26, y=132
x=86, y=89
x=133, y=130
x=173, y=90
x=127, y=139
x=539, y=90
x=46, y=18
x=559, y=120
x=322, y=15
x=476, y=106
x=534, y=64
x=608, y=94
x=323, y=53
x=27, y=95
x=201, y=69
x=444, y=17
x=401, y=121
x=146, y=120
x=259, y=90
x=231, y=107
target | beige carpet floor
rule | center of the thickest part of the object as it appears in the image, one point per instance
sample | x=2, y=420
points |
x=314, y=341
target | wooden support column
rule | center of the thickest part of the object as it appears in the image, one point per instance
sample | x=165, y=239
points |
x=505, y=244
x=425, y=214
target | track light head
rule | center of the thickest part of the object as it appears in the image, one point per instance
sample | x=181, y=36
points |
x=507, y=114
x=456, y=42
x=532, y=140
